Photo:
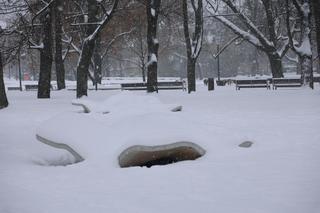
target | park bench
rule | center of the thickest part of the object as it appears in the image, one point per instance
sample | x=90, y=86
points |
x=221, y=82
x=13, y=88
x=286, y=82
x=171, y=85
x=255, y=83
x=31, y=87
x=134, y=86
x=162, y=85
x=316, y=79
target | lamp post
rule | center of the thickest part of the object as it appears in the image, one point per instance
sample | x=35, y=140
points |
x=20, y=75
x=218, y=61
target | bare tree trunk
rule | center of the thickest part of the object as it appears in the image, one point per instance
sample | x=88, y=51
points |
x=307, y=71
x=60, y=71
x=316, y=14
x=83, y=67
x=97, y=62
x=45, y=57
x=272, y=47
x=3, y=97
x=120, y=66
x=191, y=74
x=107, y=68
x=194, y=43
x=304, y=49
x=87, y=51
x=89, y=43
x=143, y=72
x=275, y=65
x=142, y=59
x=153, y=8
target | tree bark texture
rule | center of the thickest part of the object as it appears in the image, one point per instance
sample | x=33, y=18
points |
x=191, y=74
x=275, y=64
x=3, y=97
x=97, y=58
x=316, y=14
x=45, y=57
x=194, y=43
x=60, y=71
x=87, y=51
x=306, y=63
x=152, y=7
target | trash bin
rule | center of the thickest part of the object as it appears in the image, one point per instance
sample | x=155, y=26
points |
x=210, y=84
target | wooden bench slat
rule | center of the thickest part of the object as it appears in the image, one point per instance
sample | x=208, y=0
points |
x=13, y=88
x=31, y=87
x=162, y=85
x=316, y=79
x=286, y=82
x=254, y=83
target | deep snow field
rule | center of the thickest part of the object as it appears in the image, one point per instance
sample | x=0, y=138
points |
x=278, y=174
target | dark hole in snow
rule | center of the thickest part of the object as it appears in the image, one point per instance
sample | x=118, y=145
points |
x=159, y=155
x=246, y=144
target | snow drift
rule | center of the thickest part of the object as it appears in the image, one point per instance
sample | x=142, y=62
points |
x=150, y=127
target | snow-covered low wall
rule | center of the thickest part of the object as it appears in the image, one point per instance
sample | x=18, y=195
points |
x=148, y=156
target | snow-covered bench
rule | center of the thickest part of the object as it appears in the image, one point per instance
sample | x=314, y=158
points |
x=31, y=87
x=171, y=85
x=316, y=79
x=255, y=83
x=286, y=82
x=162, y=85
x=13, y=88
x=134, y=86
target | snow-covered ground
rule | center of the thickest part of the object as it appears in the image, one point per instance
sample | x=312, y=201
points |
x=278, y=174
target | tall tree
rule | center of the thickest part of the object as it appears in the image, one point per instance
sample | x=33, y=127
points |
x=93, y=30
x=153, y=8
x=316, y=14
x=97, y=59
x=194, y=42
x=60, y=71
x=272, y=44
x=45, y=54
x=3, y=97
x=302, y=47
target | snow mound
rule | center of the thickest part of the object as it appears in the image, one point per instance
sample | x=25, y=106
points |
x=159, y=155
x=133, y=120
x=126, y=101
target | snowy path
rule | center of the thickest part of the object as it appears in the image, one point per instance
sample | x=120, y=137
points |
x=278, y=174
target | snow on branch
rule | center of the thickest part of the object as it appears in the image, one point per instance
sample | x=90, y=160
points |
x=103, y=22
x=251, y=26
x=302, y=48
x=225, y=46
x=47, y=5
x=245, y=35
x=153, y=59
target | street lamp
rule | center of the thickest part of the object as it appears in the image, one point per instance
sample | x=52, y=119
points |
x=19, y=66
x=218, y=41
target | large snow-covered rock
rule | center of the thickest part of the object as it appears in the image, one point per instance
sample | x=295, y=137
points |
x=132, y=120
